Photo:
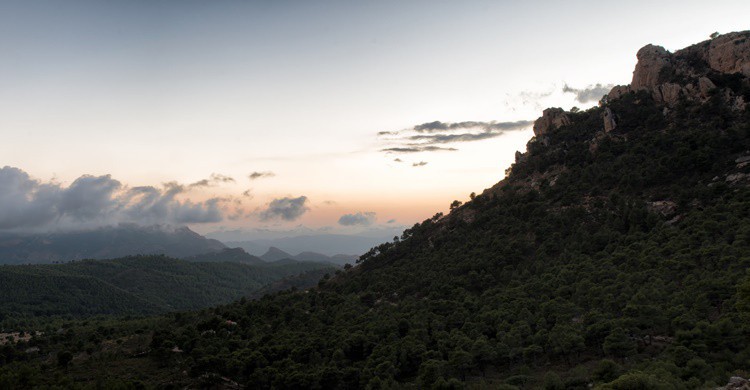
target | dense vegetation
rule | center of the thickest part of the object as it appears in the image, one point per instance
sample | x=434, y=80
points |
x=133, y=285
x=566, y=275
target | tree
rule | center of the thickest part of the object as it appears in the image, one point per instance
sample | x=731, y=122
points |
x=456, y=204
x=64, y=358
x=618, y=344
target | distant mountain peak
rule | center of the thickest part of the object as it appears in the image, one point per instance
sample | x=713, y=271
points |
x=273, y=254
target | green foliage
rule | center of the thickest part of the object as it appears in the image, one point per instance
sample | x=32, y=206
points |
x=563, y=264
x=136, y=285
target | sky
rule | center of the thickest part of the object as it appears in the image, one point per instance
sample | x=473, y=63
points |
x=335, y=116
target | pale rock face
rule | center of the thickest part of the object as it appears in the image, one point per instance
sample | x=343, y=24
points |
x=705, y=86
x=609, y=120
x=618, y=91
x=551, y=119
x=657, y=69
x=730, y=53
x=667, y=93
x=654, y=62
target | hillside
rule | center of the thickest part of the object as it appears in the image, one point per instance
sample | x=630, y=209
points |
x=614, y=255
x=103, y=243
x=232, y=255
x=135, y=285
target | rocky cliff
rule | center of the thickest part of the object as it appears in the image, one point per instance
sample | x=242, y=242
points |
x=719, y=67
x=721, y=64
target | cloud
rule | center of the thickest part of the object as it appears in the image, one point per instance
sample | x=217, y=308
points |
x=417, y=149
x=358, y=219
x=398, y=160
x=89, y=197
x=391, y=221
x=248, y=193
x=419, y=164
x=448, y=138
x=437, y=126
x=29, y=204
x=591, y=93
x=218, y=178
x=260, y=175
x=213, y=180
x=287, y=209
x=427, y=137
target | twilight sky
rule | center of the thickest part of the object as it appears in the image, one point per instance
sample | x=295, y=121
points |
x=251, y=115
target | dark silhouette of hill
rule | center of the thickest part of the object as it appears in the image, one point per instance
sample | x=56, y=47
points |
x=232, y=255
x=104, y=243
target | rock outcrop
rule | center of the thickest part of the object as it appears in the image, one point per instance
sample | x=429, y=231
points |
x=551, y=119
x=653, y=68
x=691, y=73
x=730, y=53
x=609, y=120
x=736, y=383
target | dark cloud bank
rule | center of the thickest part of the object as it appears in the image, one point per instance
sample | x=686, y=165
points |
x=29, y=204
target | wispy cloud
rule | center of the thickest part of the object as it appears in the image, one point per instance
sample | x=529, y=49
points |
x=260, y=175
x=419, y=164
x=591, y=93
x=213, y=180
x=417, y=149
x=428, y=137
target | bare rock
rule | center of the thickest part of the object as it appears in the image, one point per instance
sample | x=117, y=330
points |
x=735, y=178
x=664, y=207
x=730, y=53
x=653, y=67
x=736, y=383
x=705, y=86
x=668, y=93
x=618, y=91
x=609, y=120
x=551, y=119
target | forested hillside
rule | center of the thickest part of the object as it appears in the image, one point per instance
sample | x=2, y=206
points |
x=614, y=255
x=134, y=285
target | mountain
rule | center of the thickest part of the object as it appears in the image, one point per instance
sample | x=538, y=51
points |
x=613, y=255
x=327, y=244
x=232, y=255
x=104, y=243
x=274, y=254
x=137, y=285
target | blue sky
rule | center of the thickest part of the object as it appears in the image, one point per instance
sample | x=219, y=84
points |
x=155, y=92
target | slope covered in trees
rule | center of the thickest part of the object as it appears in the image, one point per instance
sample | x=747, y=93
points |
x=610, y=259
x=134, y=285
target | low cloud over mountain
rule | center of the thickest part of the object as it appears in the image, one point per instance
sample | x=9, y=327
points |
x=28, y=204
